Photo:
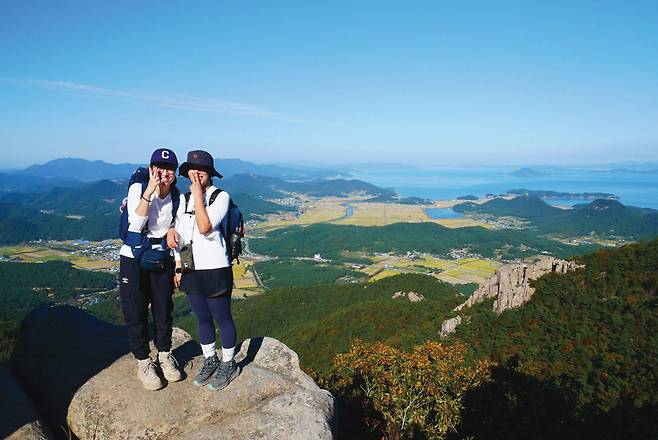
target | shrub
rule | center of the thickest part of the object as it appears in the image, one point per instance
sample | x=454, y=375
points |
x=417, y=392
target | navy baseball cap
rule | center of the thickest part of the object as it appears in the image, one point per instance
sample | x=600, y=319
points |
x=164, y=156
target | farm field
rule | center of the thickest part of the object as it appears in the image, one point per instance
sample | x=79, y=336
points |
x=460, y=271
x=336, y=210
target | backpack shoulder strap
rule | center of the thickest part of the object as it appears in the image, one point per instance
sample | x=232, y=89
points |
x=214, y=195
x=187, y=199
x=175, y=203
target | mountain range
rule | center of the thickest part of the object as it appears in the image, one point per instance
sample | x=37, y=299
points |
x=72, y=169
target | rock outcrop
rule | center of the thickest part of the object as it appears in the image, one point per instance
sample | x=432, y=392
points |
x=449, y=326
x=411, y=296
x=271, y=399
x=19, y=418
x=510, y=286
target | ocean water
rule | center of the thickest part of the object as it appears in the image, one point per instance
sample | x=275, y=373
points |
x=449, y=183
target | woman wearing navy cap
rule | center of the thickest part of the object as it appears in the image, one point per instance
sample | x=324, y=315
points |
x=151, y=214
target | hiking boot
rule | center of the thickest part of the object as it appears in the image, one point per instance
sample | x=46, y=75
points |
x=169, y=366
x=226, y=372
x=147, y=373
x=208, y=368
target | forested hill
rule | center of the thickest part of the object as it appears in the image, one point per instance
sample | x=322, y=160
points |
x=579, y=360
x=604, y=217
x=330, y=240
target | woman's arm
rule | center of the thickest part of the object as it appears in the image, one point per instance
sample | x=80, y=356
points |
x=142, y=209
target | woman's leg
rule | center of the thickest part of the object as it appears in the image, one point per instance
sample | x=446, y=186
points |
x=220, y=307
x=162, y=306
x=134, y=303
x=206, y=324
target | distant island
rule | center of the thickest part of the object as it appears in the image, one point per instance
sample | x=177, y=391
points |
x=561, y=195
x=527, y=172
x=468, y=197
x=627, y=171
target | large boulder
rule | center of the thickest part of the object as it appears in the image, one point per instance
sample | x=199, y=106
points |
x=19, y=418
x=272, y=397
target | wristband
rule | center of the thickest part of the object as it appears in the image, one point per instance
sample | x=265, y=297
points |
x=144, y=198
x=179, y=270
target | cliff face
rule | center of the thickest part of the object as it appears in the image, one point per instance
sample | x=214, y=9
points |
x=78, y=371
x=510, y=286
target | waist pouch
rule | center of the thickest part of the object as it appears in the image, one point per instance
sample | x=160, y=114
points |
x=151, y=253
x=154, y=260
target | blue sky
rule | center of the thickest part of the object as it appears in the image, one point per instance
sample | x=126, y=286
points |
x=434, y=82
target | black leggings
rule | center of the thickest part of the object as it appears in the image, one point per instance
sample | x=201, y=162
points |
x=219, y=308
x=138, y=288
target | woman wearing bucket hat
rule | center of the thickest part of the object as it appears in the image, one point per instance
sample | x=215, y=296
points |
x=150, y=211
x=203, y=269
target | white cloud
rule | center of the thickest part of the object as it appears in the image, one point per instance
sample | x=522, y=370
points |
x=170, y=100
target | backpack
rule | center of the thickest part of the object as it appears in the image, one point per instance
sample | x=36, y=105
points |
x=137, y=241
x=231, y=226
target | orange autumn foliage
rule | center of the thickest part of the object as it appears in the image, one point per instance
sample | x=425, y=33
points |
x=417, y=391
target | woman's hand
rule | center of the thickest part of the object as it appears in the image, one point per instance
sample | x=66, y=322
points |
x=195, y=185
x=177, y=278
x=155, y=177
x=173, y=238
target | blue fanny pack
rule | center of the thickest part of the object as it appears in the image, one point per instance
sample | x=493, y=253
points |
x=150, y=253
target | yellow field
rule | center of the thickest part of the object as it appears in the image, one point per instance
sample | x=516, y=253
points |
x=313, y=211
x=461, y=271
x=384, y=274
x=243, y=278
x=33, y=253
x=331, y=210
x=89, y=264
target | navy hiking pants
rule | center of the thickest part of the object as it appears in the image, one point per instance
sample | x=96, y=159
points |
x=138, y=289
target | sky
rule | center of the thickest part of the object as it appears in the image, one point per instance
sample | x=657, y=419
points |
x=420, y=82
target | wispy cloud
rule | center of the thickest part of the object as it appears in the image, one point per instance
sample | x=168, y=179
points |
x=169, y=100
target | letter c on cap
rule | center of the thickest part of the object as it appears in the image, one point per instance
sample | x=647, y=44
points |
x=165, y=154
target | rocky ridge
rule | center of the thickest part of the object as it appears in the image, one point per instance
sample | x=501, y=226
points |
x=510, y=286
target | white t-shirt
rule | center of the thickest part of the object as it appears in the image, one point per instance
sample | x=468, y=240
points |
x=209, y=250
x=158, y=218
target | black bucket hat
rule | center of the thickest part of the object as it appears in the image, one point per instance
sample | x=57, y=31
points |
x=199, y=159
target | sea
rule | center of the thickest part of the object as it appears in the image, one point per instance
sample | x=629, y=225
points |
x=632, y=188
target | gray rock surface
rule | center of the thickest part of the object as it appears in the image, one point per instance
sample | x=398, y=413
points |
x=19, y=418
x=510, y=286
x=449, y=326
x=271, y=399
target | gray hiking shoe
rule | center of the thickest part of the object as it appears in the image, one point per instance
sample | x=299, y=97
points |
x=208, y=368
x=226, y=372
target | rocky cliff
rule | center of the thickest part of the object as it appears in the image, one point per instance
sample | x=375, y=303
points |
x=78, y=371
x=510, y=286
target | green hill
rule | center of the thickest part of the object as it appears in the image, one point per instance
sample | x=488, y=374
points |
x=604, y=217
x=523, y=207
x=581, y=355
x=331, y=240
